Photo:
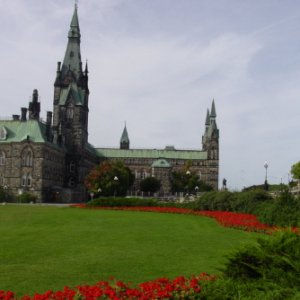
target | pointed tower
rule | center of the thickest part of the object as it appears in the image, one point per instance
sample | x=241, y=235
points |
x=70, y=106
x=210, y=144
x=71, y=93
x=34, y=106
x=210, y=139
x=124, y=141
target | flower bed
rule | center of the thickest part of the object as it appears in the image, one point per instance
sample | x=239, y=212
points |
x=162, y=288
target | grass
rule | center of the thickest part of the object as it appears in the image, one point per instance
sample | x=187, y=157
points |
x=49, y=247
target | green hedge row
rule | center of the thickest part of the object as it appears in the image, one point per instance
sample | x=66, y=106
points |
x=282, y=210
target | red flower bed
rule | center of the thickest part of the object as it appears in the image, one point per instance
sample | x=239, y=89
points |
x=163, y=288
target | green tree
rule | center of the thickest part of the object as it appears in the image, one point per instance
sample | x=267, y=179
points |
x=295, y=170
x=187, y=182
x=150, y=185
x=110, y=178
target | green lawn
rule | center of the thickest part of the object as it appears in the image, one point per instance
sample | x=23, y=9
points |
x=45, y=248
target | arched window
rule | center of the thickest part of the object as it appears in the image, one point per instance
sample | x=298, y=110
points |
x=3, y=133
x=27, y=158
x=23, y=180
x=29, y=179
x=26, y=180
x=70, y=112
x=2, y=158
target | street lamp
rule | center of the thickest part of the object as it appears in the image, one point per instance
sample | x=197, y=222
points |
x=188, y=173
x=115, y=181
x=266, y=178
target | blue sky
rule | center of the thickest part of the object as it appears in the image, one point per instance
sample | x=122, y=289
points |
x=157, y=64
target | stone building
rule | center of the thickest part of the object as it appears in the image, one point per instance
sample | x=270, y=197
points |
x=51, y=159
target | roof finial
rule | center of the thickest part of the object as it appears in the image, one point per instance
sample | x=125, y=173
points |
x=76, y=3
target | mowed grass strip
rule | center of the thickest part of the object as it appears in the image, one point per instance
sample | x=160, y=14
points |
x=44, y=248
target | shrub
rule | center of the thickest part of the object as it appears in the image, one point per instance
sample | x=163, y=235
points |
x=26, y=198
x=276, y=258
x=5, y=195
x=267, y=270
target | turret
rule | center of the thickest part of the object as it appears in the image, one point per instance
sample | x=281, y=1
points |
x=124, y=141
x=34, y=106
x=210, y=139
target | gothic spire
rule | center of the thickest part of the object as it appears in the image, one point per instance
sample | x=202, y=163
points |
x=72, y=60
x=124, y=141
x=207, y=118
x=213, y=110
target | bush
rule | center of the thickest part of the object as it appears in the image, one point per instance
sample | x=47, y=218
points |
x=112, y=202
x=5, y=195
x=267, y=270
x=26, y=198
x=284, y=210
x=276, y=258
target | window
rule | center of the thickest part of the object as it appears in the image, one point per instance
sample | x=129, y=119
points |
x=70, y=113
x=2, y=158
x=26, y=180
x=27, y=158
x=3, y=133
x=23, y=180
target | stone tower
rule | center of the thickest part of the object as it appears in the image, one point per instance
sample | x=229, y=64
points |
x=34, y=106
x=70, y=106
x=210, y=139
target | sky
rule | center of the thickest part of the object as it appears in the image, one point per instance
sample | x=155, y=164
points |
x=157, y=65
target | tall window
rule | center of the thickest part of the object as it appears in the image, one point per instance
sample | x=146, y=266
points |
x=70, y=112
x=2, y=158
x=27, y=158
x=26, y=180
x=3, y=133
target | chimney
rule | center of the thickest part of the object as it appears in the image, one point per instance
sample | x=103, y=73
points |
x=23, y=113
x=48, y=125
x=16, y=117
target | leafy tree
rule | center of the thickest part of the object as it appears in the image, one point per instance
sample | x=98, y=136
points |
x=150, y=184
x=296, y=170
x=186, y=181
x=110, y=178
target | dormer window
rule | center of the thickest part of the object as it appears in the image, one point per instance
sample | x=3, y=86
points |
x=2, y=158
x=70, y=112
x=3, y=133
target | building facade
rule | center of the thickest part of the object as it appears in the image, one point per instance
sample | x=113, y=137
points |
x=51, y=159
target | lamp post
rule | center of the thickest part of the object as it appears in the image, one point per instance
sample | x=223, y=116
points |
x=266, y=178
x=188, y=173
x=115, y=185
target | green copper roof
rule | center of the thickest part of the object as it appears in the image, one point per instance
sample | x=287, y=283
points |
x=124, y=137
x=74, y=92
x=151, y=153
x=207, y=118
x=72, y=59
x=161, y=163
x=18, y=131
x=213, y=110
